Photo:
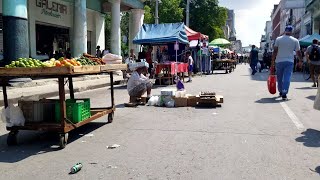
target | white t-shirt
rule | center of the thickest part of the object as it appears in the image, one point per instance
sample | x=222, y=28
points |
x=205, y=51
x=286, y=45
x=136, y=80
x=190, y=60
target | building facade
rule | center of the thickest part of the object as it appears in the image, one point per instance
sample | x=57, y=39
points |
x=229, y=29
x=53, y=25
x=313, y=20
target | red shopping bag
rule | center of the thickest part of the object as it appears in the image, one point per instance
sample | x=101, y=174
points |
x=272, y=82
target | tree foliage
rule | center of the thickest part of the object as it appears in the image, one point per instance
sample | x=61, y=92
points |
x=170, y=11
x=206, y=16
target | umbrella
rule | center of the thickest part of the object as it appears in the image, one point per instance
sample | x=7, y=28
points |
x=219, y=42
x=306, y=41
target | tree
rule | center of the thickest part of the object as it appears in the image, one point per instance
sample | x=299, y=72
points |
x=169, y=11
x=207, y=17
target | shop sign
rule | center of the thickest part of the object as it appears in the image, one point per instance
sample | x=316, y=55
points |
x=50, y=8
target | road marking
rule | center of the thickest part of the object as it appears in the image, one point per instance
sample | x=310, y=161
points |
x=292, y=116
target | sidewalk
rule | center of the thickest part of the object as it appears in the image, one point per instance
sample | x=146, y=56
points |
x=44, y=88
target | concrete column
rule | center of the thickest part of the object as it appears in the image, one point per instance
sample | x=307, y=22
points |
x=115, y=27
x=79, y=28
x=100, y=31
x=135, y=23
x=15, y=30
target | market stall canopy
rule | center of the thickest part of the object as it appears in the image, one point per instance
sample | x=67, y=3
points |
x=306, y=41
x=193, y=35
x=219, y=42
x=161, y=34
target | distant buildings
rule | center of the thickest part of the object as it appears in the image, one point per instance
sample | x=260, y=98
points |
x=288, y=12
x=229, y=29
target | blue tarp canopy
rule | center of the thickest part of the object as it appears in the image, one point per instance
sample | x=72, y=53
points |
x=161, y=34
x=307, y=40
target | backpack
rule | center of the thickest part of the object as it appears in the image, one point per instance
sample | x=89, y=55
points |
x=315, y=54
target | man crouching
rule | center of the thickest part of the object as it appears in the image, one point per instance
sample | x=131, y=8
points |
x=138, y=84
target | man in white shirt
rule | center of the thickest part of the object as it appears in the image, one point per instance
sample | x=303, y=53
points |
x=190, y=63
x=138, y=84
x=283, y=58
x=205, y=59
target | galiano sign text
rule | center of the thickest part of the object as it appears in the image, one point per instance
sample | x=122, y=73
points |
x=53, y=9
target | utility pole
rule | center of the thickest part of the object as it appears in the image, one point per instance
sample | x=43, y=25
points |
x=156, y=18
x=188, y=13
x=157, y=12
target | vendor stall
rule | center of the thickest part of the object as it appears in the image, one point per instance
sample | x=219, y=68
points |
x=164, y=34
x=63, y=123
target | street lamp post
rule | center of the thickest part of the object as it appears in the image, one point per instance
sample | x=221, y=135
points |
x=188, y=13
x=157, y=12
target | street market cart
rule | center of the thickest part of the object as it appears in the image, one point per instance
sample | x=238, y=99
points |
x=64, y=125
x=224, y=64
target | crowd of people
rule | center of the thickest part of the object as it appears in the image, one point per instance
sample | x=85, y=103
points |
x=287, y=57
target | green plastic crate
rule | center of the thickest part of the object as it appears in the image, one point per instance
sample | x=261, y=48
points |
x=77, y=110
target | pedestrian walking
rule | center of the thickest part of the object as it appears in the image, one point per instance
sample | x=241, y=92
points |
x=313, y=58
x=254, y=59
x=260, y=58
x=283, y=59
x=190, y=67
x=98, y=52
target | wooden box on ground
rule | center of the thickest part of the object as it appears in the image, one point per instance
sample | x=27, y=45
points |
x=192, y=101
x=180, y=101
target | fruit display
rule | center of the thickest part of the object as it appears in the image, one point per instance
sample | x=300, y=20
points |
x=26, y=62
x=94, y=59
x=61, y=62
x=86, y=61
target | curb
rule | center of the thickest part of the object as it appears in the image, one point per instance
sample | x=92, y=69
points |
x=56, y=93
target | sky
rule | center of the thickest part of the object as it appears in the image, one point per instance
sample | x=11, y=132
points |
x=250, y=18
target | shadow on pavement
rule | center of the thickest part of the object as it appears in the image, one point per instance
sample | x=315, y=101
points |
x=269, y=100
x=31, y=143
x=312, y=98
x=306, y=88
x=310, y=138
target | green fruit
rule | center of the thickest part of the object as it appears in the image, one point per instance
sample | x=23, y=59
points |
x=22, y=64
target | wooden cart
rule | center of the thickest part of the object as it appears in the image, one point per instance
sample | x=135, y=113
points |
x=224, y=64
x=61, y=73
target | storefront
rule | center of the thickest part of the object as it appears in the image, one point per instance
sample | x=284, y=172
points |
x=63, y=25
x=50, y=28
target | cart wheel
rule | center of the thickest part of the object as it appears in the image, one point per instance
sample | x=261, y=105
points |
x=63, y=139
x=110, y=117
x=12, y=138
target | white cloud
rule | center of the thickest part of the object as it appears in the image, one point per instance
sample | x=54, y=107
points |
x=251, y=16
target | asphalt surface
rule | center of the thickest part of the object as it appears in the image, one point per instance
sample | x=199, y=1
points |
x=254, y=135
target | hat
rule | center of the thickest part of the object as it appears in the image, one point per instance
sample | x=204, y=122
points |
x=288, y=28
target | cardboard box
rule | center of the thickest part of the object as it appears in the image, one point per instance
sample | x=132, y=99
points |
x=192, y=101
x=181, y=101
x=168, y=92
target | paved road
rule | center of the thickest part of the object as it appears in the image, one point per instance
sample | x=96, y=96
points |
x=253, y=135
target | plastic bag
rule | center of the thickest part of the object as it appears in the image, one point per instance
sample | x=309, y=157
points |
x=258, y=66
x=316, y=104
x=153, y=101
x=272, y=82
x=170, y=104
x=111, y=57
x=13, y=116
